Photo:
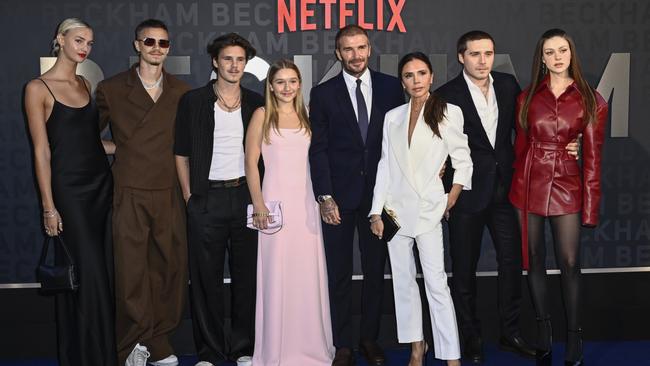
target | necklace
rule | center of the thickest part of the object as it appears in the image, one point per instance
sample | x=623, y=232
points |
x=149, y=86
x=229, y=108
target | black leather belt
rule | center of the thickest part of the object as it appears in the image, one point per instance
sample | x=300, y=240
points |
x=230, y=183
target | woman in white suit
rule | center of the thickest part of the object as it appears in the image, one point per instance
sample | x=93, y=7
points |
x=417, y=138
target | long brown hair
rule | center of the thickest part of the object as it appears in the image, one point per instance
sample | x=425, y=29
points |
x=575, y=72
x=435, y=107
x=271, y=104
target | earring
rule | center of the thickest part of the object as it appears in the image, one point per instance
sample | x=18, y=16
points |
x=544, y=69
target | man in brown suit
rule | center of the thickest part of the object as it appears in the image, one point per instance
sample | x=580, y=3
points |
x=149, y=236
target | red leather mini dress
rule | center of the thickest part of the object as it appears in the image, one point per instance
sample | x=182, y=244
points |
x=547, y=181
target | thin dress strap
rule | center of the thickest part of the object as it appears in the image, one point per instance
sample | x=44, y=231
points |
x=48, y=88
x=83, y=80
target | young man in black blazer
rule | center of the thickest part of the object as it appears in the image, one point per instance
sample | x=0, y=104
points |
x=347, y=116
x=487, y=99
x=210, y=128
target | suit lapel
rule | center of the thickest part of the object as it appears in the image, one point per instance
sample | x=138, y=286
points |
x=377, y=100
x=470, y=108
x=345, y=103
x=399, y=144
x=422, y=144
x=140, y=97
x=420, y=141
x=502, y=125
x=140, y=103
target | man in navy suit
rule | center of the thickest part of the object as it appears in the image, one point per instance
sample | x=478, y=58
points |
x=488, y=101
x=347, y=116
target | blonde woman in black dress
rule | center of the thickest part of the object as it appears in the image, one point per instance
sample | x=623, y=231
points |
x=75, y=186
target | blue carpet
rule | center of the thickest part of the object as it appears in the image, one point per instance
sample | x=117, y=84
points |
x=635, y=353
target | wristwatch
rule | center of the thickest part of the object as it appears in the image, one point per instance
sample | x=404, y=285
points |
x=323, y=198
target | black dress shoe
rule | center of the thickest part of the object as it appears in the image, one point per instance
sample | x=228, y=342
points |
x=543, y=358
x=545, y=338
x=343, y=357
x=574, y=347
x=516, y=344
x=373, y=354
x=580, y=362
x=473, y=350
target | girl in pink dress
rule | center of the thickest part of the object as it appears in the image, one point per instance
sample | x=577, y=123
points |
x=292, y=317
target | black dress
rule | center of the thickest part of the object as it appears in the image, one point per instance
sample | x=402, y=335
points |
x=82, y=189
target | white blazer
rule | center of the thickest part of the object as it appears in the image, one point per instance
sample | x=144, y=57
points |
x=408, y=179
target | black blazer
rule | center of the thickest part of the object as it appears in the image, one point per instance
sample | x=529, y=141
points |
x=341, y=165
x=490, y=164
x=195, y=130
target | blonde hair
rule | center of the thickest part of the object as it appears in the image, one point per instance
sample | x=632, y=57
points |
x=271, y=104
x=63, y=28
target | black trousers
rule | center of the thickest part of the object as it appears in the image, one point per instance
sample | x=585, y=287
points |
x=465, y=234
x=339, y=240
x=216, y=223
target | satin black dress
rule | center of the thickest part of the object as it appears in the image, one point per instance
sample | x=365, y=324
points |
x=82, y=189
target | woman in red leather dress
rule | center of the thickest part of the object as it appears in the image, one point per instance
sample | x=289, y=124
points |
x=549, y=184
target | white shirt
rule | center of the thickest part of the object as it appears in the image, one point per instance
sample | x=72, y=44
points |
x=488, y=110
x=227, y=147
x=366, y=90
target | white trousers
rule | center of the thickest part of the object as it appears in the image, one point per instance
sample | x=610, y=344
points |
x=408, y=307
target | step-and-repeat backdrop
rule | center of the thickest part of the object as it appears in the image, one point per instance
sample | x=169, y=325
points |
x=612, y=37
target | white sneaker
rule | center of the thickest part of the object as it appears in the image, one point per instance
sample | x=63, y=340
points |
x=170, y=360
x=204, y=363
x=138, y=356
x=245, y=361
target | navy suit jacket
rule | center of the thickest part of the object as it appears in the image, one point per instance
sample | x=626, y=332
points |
x=488, y=161
x=341, y=164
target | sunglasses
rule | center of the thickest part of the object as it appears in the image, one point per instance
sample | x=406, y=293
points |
x=150, y=42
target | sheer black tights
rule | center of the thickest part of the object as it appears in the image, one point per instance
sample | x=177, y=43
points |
x=566, y=240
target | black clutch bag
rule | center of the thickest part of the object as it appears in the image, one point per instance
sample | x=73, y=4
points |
x=391, y=226
x=60, y=276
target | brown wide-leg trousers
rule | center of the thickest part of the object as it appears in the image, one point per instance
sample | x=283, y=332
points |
x=150, y=250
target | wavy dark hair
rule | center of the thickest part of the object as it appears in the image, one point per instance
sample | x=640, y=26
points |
x=435, y=107
x=575, y=71
x=227, y=40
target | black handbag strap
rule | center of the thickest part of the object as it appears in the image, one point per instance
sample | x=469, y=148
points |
x=56, y=239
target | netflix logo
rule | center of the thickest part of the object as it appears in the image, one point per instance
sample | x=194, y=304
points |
x=304, y=15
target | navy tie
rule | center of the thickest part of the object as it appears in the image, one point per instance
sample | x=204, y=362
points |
x=362, y=112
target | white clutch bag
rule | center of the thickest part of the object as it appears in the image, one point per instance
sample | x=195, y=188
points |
x=275, y=212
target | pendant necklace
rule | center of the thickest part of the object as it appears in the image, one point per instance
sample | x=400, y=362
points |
x=232, y=108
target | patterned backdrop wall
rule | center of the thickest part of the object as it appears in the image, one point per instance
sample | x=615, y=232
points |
x=613, y=40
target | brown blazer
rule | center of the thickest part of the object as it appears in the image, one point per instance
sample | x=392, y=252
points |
x=143, y=131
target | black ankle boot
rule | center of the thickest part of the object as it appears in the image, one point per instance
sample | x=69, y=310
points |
x=574, y=340
x=543, y=357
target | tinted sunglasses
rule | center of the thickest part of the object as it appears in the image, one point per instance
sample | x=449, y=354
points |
x=150, y=42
